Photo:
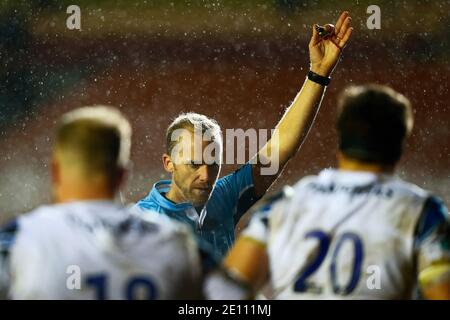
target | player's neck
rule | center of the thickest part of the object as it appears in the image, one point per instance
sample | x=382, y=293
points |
x=72, y=193
x=348, y=164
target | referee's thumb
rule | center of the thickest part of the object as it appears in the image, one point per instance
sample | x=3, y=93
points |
x=315, y=35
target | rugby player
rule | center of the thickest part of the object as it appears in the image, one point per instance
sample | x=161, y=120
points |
x=86, y=246
x=356, y=232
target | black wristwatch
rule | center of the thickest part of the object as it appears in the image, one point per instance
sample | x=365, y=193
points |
x=317, y=78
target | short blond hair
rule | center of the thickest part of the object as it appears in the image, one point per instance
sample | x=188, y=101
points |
x=191, y=120
x=95, y=138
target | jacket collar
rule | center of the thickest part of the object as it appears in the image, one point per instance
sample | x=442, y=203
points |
x=156, y=195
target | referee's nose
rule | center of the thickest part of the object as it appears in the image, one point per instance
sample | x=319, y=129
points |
x=204, y=173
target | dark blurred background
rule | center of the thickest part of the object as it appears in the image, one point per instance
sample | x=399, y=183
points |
x=240, y=62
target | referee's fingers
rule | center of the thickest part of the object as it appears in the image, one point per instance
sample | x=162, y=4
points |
x=347, y=35
x=315, y=36
x=340, y=21
x=341, y=33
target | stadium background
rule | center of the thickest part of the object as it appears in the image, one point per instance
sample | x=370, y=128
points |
x=240, y=62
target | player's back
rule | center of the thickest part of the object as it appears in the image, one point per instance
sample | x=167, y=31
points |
x=345, y=235
x=98, y=250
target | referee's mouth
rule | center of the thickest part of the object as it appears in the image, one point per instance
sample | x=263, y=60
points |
x=203, y=190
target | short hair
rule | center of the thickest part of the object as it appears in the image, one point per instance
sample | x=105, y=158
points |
x=373, y=122
x=191, y=120
x=96, y=138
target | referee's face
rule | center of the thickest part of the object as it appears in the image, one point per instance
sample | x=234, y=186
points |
x=195, y=169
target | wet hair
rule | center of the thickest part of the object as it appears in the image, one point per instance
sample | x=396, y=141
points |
x=373, y=122
x=190, y=121
x=96, y=139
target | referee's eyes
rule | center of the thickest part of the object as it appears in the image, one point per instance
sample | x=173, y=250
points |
x=194, y=165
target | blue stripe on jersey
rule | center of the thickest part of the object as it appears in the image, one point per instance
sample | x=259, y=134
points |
x=434, y=214
x=7, y=236
x=263, y=210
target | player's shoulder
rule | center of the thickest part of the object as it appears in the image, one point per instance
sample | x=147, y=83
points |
x=304, y=183
x=28, y=224
x=40, y=215
x=8, y=232
x=268, y=202
x=166, y=227
x=434, y=213
x=436, y=203
x=55, y=213
x=167, y=234
x=285, y=195
x=407, y=189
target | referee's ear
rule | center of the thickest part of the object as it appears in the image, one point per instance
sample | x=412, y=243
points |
x=167, y=163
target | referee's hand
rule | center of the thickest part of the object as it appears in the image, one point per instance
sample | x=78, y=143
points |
x=324, y=52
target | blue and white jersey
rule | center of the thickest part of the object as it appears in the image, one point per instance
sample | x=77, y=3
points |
x=97, y=250
x=231, y=197
x=351, y=235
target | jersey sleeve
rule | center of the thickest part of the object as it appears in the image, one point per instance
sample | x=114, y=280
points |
x=7, y=236
x=432, y=240
x=258, y=228
x=238, y=190
x=220, y=285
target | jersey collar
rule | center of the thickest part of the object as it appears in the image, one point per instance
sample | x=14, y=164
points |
x=351, y=177
x=156, y=194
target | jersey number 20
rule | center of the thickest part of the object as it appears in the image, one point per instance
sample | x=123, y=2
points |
x=301, y=285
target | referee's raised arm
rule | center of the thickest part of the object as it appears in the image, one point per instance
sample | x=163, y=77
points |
x=291, y=131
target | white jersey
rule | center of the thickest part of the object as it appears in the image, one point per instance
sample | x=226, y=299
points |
x=98, y=250
x=350, y=235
